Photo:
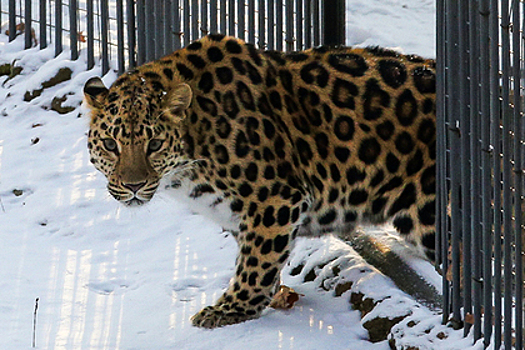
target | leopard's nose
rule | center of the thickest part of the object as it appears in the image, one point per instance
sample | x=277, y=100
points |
x=134, y=187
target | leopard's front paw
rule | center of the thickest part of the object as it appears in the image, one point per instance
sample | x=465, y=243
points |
x=218, y=316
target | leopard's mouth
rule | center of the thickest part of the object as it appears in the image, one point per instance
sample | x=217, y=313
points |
x=134, y=202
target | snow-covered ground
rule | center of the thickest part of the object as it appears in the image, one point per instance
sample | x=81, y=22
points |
x=109, y=277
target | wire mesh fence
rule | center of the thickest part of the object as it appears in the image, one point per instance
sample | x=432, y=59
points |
x=480, y=167
x=130, y=33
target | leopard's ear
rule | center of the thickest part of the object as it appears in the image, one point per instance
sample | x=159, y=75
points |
x=177, y=101
x=95, y=92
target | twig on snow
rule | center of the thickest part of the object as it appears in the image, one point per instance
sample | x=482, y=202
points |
x=34, y=322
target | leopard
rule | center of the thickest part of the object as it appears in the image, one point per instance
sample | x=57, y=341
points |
x=273, y=145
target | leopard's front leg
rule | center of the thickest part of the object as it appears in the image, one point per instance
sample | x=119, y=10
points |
x=265, y=241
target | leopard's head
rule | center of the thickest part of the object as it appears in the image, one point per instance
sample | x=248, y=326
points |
x=135, y=133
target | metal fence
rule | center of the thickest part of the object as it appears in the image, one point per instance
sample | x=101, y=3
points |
x=480, y=51
x=130, y=33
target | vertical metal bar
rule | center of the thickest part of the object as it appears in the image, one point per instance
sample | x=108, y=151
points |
x=231, y=18
x=204, y=18
x=299, y=24
x=176, y=24
x=12, y=20
x=316, y=23
x=43, y=26
x=308, y=24
x=160, y=48
x=467, y=67
x=441, y=196
x=453, y=136
x=279, y=25
x=485, y=117
x=141, y=32
x=27, y=18
x=104, y=27
x=223, y=14
x=168, y=26
x=290, y=39
x=120, y=37
x=90, y=35
x=150, y=29
x=475, y=163
x=186, y=19
x=251, y=21
x=271, y=25
x=333, y=22
x=495, y=112
x=73, y=30
x=262, y=25
x=241, y=20
x=518, y=281
x=58, y=27
x=130, y=12
x=194, y=19
x=507, y=199
x=213, y=16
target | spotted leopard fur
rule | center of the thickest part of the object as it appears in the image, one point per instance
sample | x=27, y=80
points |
x=277, y=145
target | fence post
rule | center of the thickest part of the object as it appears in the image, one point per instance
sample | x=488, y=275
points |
x=299, y=25
x=120, y=37
x=73, y=29
x=334, y=22
x=518, y=172
x=251, y=21
x=149, y=6
x=279, y=21
x=168, y=27
x=289, y=26
x=241, y=27
x=141, y=32
x=90, y=36
x=271, y=25
x=158, y=30
x=43, y=27
x=131, y=33
x=262, y=25
x=316, y=23
x=12, y=20
x=177, y=31
x=231, y=19
x=27, y=23
x=58, y=27
x=495, y=112
x=104, y=29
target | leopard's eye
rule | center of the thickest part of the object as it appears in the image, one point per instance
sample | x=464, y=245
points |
x=110, y=145
x=154, y=145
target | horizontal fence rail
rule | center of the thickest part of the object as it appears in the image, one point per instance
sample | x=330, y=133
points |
x=128, y=33
x=481, y=142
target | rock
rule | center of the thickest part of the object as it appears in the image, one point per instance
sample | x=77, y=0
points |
x=62, y=75
x=297, y=270
x=15, y=70
x=5, y=69
x=365, y=305
x=342, y=287
x=10, y=69
x=310, y=276
x=28, y=96
x=379, y=328
x=56, y=105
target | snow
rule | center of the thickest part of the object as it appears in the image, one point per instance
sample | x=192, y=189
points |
x=109, y=277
